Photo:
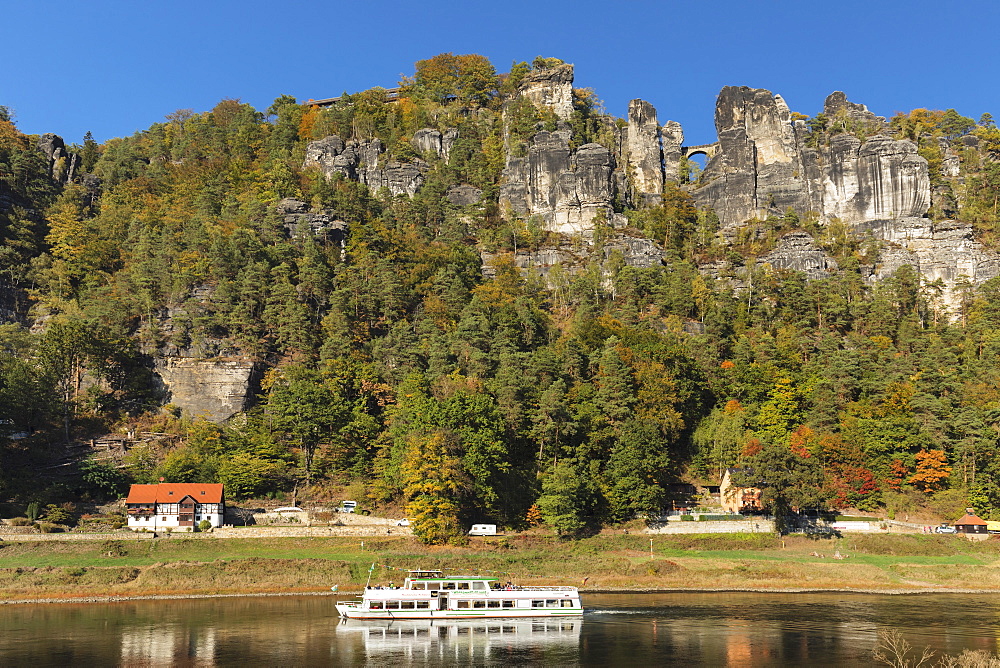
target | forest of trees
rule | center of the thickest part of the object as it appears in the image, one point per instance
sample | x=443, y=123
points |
x=394, y=364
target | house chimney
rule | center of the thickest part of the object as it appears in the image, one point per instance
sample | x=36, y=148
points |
x=970, y=511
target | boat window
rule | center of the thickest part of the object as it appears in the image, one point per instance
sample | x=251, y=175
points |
x=461, y=604
x=479, y=585
x=423, y=605
x=433, y=586
x=479, y=604
x=538, y=604
x=374, y=605
x=463, y=585
x=418, y=585
x=406, y=605
x=567, y=603
x=447, y=585
x=494, y=604
x=552, y=603
x=508, y=604
x=392, y=605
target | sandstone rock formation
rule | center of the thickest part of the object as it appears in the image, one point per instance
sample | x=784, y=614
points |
x=215, y=388
x=62, y=163
x=363, y=161
x=463, y=195
x=550, y=88
x=798, y=251
x=429, y=140
x=297, y=218
x=567, y=190
x=765, y=165
x=645, y=152
x=880, y=187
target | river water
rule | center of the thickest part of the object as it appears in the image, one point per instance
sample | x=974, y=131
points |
x=646, y=630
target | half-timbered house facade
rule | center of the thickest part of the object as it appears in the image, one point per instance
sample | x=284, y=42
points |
x=175, y=506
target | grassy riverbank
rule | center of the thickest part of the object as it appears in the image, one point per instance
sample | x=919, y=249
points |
x=178, y=566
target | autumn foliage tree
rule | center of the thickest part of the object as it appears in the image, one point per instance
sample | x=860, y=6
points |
x=469, y=78
x=433, y=484
x=932, y=470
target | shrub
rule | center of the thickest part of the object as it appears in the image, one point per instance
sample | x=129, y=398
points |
x=204, y=525
x=59, y=514
x=19, y=522
x=687, y=518
x=49, y=527
x=33, y=511
x=657, y=567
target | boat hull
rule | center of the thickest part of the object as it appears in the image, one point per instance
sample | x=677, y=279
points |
x=350, y=612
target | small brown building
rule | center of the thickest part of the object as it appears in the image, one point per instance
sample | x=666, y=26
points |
x=970, y=523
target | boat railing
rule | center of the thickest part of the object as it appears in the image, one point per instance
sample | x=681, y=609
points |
x=537, y=588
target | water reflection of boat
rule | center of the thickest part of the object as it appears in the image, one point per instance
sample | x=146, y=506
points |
x=424, y=639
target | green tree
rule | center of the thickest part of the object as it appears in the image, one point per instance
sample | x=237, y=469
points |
x=789, y=480
x=569, y=500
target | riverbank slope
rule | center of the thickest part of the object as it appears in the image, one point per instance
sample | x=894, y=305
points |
x=129, y=567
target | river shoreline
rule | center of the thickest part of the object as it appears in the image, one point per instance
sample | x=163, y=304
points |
x=71, y=572
x=603, y=590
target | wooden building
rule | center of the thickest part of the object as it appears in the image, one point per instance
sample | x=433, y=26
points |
x=174, y=506
x=970, y=523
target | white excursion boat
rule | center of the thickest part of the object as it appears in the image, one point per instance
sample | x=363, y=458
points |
x=432, y=595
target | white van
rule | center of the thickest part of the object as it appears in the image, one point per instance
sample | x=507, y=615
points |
x=483, y=530
x=347, y=506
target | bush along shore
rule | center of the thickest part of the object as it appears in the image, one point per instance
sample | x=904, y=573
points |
x=131, y=568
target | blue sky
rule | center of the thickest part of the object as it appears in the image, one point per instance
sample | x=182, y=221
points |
x=115, y=67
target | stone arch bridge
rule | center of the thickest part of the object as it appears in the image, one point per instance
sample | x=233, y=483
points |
x=708, y=150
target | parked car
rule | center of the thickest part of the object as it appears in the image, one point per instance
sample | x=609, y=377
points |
x=945, y=528
x=403, y=522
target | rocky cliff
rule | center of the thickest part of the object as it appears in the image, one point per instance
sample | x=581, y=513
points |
x=767, y=163
x=364, y=161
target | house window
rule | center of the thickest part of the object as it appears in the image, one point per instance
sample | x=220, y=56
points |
x=203, y=492
x=163, y=519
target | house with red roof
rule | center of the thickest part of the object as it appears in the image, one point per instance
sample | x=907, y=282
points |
x=179, y=506
x=970, y=523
